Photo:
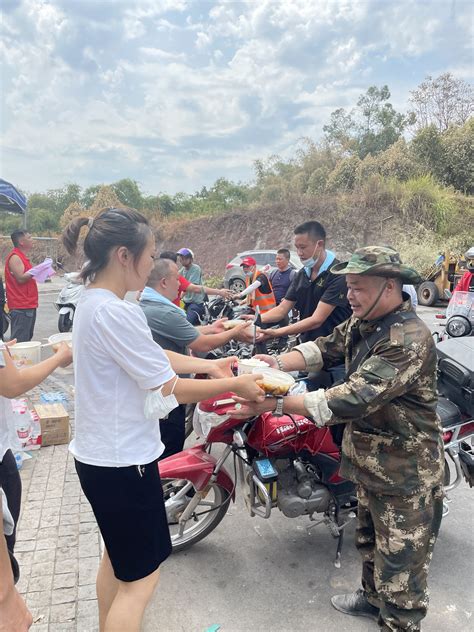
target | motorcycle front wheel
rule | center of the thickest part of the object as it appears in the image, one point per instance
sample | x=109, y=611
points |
x=177, y=494
x=64, y=323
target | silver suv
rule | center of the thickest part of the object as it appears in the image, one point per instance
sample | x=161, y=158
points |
x=234, y=277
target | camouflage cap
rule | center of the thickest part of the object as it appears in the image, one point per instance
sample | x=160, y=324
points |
x=377, y=261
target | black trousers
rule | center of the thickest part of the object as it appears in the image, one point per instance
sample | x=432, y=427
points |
x=194, y=312
x=173, y=431
x=22, y=324
x=10, y=482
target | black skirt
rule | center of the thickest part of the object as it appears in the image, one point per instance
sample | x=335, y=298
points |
x=128, y=505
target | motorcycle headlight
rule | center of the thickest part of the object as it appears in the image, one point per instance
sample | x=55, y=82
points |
x=203, y=422
x=458, y=326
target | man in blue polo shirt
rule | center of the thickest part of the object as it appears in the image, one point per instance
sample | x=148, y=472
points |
x=319, y=296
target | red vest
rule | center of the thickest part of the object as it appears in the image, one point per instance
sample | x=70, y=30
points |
x=20, y=295
x=464, y=282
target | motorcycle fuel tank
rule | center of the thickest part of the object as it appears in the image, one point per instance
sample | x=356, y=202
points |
x=275, y=436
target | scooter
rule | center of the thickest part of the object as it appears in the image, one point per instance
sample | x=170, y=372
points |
x=67, y=300
x=459, y=316
x=288, y=464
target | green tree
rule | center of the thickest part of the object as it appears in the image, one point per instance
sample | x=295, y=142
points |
x=343, y=176
x=458, y=159
x=166, y=204
x=341, y=130
x=427, y=147
x=370, y=128
x=381, y=125
x=128, y=192
x=42, y=221
x=89, y=195
x=398, y=162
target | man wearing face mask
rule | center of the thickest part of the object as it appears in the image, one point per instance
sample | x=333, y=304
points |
x=318, y=295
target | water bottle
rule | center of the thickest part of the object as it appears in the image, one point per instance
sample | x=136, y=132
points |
x=35, y=439
x=19, y=460
x=23, y=425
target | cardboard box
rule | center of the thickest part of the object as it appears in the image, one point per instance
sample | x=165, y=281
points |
x=54, y=421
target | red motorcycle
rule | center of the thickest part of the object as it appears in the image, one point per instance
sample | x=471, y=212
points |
x=282, y=462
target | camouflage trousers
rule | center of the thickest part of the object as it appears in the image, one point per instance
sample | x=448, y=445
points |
x=395, y=536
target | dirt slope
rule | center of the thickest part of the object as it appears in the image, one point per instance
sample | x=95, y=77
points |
x=216, y=240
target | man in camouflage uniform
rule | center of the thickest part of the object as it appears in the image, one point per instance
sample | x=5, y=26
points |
x=392, y=446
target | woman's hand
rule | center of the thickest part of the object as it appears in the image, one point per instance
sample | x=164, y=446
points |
x=247, y=388
x=64, y=354
x=270, y=360
x=222, y=367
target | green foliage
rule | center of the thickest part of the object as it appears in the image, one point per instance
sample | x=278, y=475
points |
x=458, y=145
x=363, y=167
x=447, y=155
x=343, y=176
x=370, y=128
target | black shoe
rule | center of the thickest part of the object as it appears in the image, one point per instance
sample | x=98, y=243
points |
x=355, y=604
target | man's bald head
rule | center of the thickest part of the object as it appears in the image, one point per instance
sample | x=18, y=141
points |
x=164, y=278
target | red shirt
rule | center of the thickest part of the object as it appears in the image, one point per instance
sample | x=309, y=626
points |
x=183, y=286
x=20, y=295
x=465, y=283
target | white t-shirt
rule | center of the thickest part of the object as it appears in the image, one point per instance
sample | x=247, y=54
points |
x=4, y=431
x=116, y=363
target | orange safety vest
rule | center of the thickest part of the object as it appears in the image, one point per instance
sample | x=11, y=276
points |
x=265, y=302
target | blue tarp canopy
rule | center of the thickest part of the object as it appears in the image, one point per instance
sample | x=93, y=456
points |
x=11, y=199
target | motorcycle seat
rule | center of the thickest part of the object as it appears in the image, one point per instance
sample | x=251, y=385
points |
x=448, y=412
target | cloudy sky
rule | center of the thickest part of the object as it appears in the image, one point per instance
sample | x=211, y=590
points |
x=176, y=93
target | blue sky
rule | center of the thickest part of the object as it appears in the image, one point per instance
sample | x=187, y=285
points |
x=176, y=93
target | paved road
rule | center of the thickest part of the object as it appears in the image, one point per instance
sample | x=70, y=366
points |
x=254, y=575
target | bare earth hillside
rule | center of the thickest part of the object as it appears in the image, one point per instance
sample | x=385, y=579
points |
x=216, y=240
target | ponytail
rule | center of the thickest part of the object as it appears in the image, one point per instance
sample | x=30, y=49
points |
x=111, y=228
x=70, y=235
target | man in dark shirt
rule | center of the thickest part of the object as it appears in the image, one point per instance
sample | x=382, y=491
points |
x=319, y=296
x=283, y=275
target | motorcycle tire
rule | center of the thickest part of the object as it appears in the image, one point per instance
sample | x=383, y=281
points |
x=196, y=529
x=447, y=474
x=64, y=323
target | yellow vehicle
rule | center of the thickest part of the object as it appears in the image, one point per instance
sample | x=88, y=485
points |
x=443, y=275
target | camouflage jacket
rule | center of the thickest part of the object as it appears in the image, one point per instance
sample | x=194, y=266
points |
x=392, y=441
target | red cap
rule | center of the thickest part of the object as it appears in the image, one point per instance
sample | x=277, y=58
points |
x=248, y=261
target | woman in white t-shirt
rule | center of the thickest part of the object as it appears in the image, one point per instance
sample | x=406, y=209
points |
x=13, y=383
x=119, y=370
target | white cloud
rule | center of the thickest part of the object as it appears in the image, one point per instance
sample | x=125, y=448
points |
x=176, y=93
